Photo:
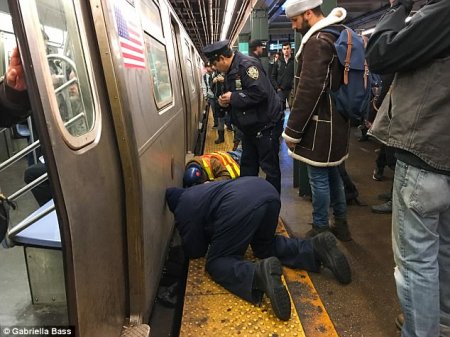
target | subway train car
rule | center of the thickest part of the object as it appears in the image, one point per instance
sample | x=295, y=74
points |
x=115, y=90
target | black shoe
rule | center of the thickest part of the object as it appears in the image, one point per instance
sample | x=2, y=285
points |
x=385, y=208
x=385, y=196
x=340, y=230
x=378, y=174
x=268, y=279
x=315, y=231
x=325, y=248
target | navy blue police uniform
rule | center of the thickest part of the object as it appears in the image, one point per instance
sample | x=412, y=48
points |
x=221, y=219
x=256, y=111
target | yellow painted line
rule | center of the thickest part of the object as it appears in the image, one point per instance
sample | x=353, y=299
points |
x=312, y=312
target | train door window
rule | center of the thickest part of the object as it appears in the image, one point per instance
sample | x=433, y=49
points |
x=72, y=84
x=159, y=65
x=189, y=67
x=151, y=18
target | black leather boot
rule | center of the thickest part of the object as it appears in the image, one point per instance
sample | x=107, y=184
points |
x=221, y=137
x=340, y=229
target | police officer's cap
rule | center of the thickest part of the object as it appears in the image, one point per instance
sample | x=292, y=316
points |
x=213, y=50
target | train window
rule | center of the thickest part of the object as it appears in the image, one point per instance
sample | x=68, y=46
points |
x=189, y=67
x=68, y=69
x=151, y=18
x=159, y=65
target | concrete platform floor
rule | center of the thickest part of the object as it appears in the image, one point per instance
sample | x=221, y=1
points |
x=369, y=305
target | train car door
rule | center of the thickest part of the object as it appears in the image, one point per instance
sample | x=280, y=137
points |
x=67, y=90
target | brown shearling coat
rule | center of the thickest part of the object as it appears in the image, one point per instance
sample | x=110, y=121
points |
x=321, y=133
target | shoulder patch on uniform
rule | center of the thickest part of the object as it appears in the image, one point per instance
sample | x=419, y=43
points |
x=253, y=72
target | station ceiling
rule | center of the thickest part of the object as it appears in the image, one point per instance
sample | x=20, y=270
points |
x=203, y=19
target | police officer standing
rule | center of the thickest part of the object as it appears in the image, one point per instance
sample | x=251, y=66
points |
x=255, y=109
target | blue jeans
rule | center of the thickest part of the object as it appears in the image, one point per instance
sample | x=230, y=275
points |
x=327, y=189
x=421, y=244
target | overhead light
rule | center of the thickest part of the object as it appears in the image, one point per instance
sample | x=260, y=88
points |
x=227, y=18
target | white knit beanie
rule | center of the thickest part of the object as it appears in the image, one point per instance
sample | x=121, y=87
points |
x=296, y=7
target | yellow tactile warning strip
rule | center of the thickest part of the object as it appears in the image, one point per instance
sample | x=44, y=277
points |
x=312, y=312
x=210, y=310
x=211, y=136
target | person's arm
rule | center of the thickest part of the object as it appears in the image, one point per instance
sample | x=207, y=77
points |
x=396, y=46
x=14, y=102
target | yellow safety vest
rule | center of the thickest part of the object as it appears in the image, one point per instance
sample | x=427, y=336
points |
x=226, y=160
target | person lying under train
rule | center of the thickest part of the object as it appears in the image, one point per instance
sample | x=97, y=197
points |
x=219, y=165
x=221, y=219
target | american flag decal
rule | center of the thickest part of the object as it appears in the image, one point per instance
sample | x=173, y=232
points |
x=130, y=36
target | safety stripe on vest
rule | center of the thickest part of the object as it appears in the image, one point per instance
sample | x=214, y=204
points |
x=226, y=161
x=207, y=167
x=231, y=163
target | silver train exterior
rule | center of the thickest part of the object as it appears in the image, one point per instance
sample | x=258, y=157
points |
x=139, y=77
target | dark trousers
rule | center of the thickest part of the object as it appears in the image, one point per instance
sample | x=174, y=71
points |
x=284, y=95
x=41, y=192
x=225, y=259
x=386, y=157
x=261, y=150
x=215, y=109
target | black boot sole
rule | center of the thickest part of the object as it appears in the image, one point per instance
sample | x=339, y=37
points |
x=332, y=258
x=275, y=289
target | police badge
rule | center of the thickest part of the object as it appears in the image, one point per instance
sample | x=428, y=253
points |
x=253, y=72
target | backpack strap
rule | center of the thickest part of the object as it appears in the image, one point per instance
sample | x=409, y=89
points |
x=348, y=55
x=366, y=74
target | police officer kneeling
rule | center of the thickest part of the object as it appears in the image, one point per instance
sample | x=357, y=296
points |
x=221, y=219
x=255, y=109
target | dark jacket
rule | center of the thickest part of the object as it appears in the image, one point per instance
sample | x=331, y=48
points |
x=255, y=105
x=200, y=209
x=321, y=133
x=282, y=75
x=414, y=116
x=14, y=105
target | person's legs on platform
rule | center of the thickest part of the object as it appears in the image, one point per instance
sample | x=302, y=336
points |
x=226, y=265
x=268, y=145
x=421, y=236
x=320, y=189
x=249, y=159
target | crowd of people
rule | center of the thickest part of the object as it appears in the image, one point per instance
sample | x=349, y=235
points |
x=412, y=123
x=409, y=118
